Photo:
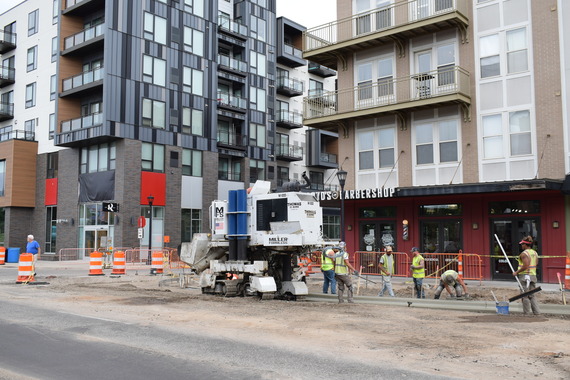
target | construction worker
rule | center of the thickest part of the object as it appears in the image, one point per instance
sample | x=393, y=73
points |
x=387, y=270
x=327, y=267
x=342, y=274
x=526, y=272
x=418, y=272
x=450, y=279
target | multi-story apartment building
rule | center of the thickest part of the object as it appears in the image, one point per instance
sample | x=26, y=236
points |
x=154, y=107
x=454, y=116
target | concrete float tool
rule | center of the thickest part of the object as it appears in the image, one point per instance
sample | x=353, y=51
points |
x=523, y=293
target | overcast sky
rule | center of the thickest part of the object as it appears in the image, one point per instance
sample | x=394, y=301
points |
x=308, y=13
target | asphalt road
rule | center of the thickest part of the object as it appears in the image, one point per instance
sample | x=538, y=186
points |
x=43, y=344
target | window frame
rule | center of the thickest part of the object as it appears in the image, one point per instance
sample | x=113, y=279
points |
x=151, y=115
x=156, y=161
x=192, y=162
x=31, y=95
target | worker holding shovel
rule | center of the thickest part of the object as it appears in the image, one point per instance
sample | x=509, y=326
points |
x=526, y=273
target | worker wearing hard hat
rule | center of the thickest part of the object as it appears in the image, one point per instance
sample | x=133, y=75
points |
x=526, y=272
x=450, y=279
x=342, y=274
x=418, y=272
x=327, y=267
x=386, y=266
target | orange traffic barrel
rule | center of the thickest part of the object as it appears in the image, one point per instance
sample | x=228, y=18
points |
x=156, y=266
x=96, y=264
x=119, y=263
x=567, y=274
x=2, y=255
x=25, y=268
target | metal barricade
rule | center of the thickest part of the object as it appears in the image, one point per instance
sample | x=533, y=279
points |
x=469, y=264
x=369, y=262
x=69, y=254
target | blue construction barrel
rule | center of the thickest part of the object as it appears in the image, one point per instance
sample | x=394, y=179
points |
x=13, y=255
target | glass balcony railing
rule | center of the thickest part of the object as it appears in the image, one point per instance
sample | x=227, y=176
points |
x=328, y=157
x=82, y=79
x=289, y=117
x=232, y=139
x=7, y=37
x=17, y=134
x=228, y=100
x=286, y=150
x=83, y=36
x=83, y=122
x=70, y=3
x=290, y=49
x=290, y=84
x=232, y=63
x=7, y=73
x=232, y=26
x=6, y=111
x=228, y=176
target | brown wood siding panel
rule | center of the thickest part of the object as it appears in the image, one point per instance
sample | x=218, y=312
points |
x=67, y=109
x=20, y=189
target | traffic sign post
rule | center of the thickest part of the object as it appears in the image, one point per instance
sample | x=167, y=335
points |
x=141, y=221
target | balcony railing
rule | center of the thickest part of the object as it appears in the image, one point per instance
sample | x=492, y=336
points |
x=228, y=100
x=232, y=63
x=7, y=41
x=82, y=79
x=232, y=139
x=83, y=122
x=84, y=36
x=17, y=134
x=289, y=118
x=6, y=111
x=292, y=50
x=288, y=86
x=71, y=3
x=228, y=176
x=378, y=20
x=323, y=187
x=289, y=151
x=224, y=23
x=7, y=75
x=451, y=80
x=328, y=157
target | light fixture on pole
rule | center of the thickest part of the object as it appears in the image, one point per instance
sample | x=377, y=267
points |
x=341, y=175
x=150, y=200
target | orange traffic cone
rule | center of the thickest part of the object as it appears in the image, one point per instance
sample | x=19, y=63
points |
x=157, y=264
x=119, y=263
x=96, y=264
x=25, y=269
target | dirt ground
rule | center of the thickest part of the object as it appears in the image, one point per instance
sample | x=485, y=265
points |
x=450, y=343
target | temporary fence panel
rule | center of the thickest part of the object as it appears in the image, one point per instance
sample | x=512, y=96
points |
x=369, y=262
x=437, y=263
x=68, y=254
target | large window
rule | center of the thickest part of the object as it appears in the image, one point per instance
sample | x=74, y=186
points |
x=195, y=7
x=192, y=162
x=516, y=56
x=152, y=157
x=229, y=168
x=193, y=41
x=519, y=129
x=192, y=121
x=517, y=51
x=153, y=113
x=431, y=136
x=256, y=170
x=31, y=95
x=51, y=229
x=191, y=223
x=52, y=123
x=155, y=28
x=32, y=58
x=331, y=227
x=33, y=21
x=518, y=135
x=52, y=164
x=258, y=28
x=376, y=148
x=257, y=99
x=489, y=52
x=2, y=180
x=98, y=158
x=257, y=64
x=154, y=70
x=257, y=135
x=193, y=81
x=493, y=136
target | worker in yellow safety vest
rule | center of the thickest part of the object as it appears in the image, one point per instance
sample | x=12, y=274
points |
x=526, y=272
x=451, y=279
x=418, y=272
x=386, y=266
x=342, y=274
x=327, y=267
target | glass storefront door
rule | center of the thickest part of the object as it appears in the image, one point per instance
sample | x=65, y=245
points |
x=375, y=235
x=510, y=231
x=441, y=236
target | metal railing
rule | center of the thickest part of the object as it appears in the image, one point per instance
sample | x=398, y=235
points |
x=379, y=20
x=289, y=150
x=292, y=50
x=82, y=79
x=328, y=157
x=291, y=117
x=7, y=73
x=70, y=3
x=290, y=84
x=84, y=36
x=386, y=92
x=17, y=134
x=225, y=175
x=229, y=100
x=69, y=254
x=232, y=63
x=88, y=121
x=232, y=26
x=8, y=37
x=232, y=138
x=7, y=108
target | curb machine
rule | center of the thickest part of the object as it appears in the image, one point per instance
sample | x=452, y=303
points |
x=255, y=242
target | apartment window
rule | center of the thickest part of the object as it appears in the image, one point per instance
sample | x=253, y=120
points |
x=519, y=129
x=257, y=98
x=8, y=66
x=331, y=227
x=317, y=180
x=52, y=164
x=489, y=52
x=191, y=223
x=54, y=49
x=2, y=179
x=258, y=28
x=366, y=150
x=154, y=70
x=51, y=126
x=282, y=175
x=153, y=113
x=258, y=64
x=30, y=128
x=517, y=51
x=364, y=82
x=315, y=88
x=33, y=19
x=152, y=157
x=257, y=135
x=51, y=229
x=430, y=135
x=193, y=81
x=385, y=77
x=256, y=170
x=193, y=41
x=31, y=95
x=55, y=12
x=192, y=162
x=32, y=58
x=98, y=158
x=445, y=64
x=492, y=136
x=192, y=121
x=195, y=7
x=155, y=28
x=52, y=87
x=229, y=169
x=382, y=141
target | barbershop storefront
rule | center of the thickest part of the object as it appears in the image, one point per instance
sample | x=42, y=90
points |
x=446, y=219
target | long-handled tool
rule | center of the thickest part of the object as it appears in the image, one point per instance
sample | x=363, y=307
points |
x=561, y=289
x=365, y=279
x=523, y=293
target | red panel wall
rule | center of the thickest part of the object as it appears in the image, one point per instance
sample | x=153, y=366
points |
x=50, y=195
x=153, y=184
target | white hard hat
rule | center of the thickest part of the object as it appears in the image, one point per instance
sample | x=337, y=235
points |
x=342, y=244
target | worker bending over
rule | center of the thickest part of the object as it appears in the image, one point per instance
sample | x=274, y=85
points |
x=450, y=279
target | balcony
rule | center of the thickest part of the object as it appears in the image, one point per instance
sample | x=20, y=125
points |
x=83, y=83
x=232, y=140
x=16, y=134
x=229, y=176
x=289, y=119
x=233, y=29
x=446, y=86
x=398, y=23
x=286, y=152
x=7, y=41
x=231, y=102
x=7, y=76
x=6, y=111
x=82, y=7
x=232, y=65
x=289, y=87
x=321, y=149
x=90, y=38
x=320, y=70
x=289, y=55
x=76, y=131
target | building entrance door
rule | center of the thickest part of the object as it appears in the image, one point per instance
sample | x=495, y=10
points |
x=441, y=236
x=510, y=232
x=96, y=238
x=375, y=235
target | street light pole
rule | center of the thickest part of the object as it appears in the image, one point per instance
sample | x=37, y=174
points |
x=341, y=175
x=150, y=199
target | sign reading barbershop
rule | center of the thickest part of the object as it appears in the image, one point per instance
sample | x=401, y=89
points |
x=386, y=192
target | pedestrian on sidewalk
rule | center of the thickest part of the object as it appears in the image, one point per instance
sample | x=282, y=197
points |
x=450, y=279
x=33, y=247
x=327, y=267
x=526, y=272
x=342, y=274
x=418, y=272
x=387, y=270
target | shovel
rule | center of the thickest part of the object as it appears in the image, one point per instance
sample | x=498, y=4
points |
x=561, y=289
x=523, y=293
